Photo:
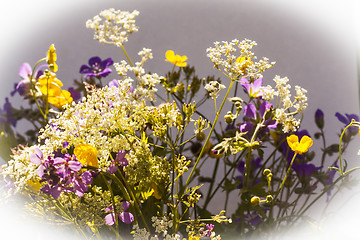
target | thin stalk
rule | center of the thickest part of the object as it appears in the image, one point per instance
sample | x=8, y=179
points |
x=208, y=136
x=213, y=178
x=221, y=182
x=287, y=174
x=341, y=137
x=127, y=56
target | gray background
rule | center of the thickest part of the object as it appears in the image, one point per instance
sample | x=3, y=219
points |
x=313, y=43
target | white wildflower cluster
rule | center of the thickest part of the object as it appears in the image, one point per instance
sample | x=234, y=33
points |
x=87, y=211
x=21, y=171
x=237, y=65
x=283, y=113
x=145, y=89
x=146, y=170
x=214, y=87
x=161, y=226
x=113, y=26
x=91, y=121
x=145, y=54
x=140, y=233
x=122, y=68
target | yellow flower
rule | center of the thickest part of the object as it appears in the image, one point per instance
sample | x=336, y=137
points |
x=86, y=154
x=246, y=64
x=51, y=58
x=175, y=59
x=60, y=100
x=34, y=185
x=156, y=192
x=299, y=147
x=50, y=85
x=194, y=238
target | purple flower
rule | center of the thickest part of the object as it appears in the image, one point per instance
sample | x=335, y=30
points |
x=250, y=117
x=76, y=95
x=6, y=114
x=330, y=179
x=97, y=67
x=81, y=183
x=209, y=230
x=125, y=217
x=253, y=218
x=252, y=89
x=23, y=87
x=61, y=174
x=319, y=118
x=119, y=160
x=305, y=169
x=54, y=191
x=255, y=164
x=114, y=83
x=347, y=120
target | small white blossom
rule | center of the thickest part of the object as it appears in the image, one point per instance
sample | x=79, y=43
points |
x=113, y=26
x=283, y=115
x=214, y=88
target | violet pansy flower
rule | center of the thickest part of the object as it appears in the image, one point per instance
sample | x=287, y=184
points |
x=114, y=83
x=76, y=95
x=250, y=117
x=97, y=67
x=347, y=120
x=61, y=174
x=24, y=86
x=252, y=89
x=305, y=169
x=119, y=160
x=125, y=217
x=6, y=114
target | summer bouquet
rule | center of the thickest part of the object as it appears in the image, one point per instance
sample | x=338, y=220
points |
x=123, y=158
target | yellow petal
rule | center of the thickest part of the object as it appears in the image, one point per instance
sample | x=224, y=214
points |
x=86, y=154
x=183, y=58
x=51, y=58
x=240, y=59
x=170, y=55
x=60, y=100
x=34, y=185
x=292, y=141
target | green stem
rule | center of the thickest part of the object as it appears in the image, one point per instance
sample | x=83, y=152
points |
x=208, y=136
x=326, y=189
x=341, y=137
x=213, y=180
x=127, y=56
x=287, y=174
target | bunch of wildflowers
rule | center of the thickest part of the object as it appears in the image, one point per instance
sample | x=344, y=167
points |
x=116, y=159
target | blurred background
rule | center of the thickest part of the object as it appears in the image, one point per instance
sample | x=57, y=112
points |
x=314, y=43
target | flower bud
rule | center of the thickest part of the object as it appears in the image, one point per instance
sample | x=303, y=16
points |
x=319, y=119
x=266, y=172
x=255, y=200
x=200, y=137
x=269, y=198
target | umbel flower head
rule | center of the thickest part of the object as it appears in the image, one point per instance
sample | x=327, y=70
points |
x=175, y=59
x=299, y=147
x=113, y=26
